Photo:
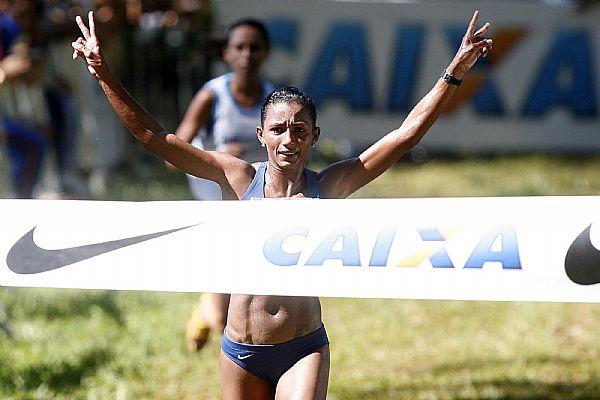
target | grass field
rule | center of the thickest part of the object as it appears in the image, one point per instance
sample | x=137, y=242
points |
x=69, y=344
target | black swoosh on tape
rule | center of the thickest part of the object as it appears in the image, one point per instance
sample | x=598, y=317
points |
x=582, y=262
x=26, y=257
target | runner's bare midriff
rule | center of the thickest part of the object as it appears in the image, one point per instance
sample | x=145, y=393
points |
x=272, y=319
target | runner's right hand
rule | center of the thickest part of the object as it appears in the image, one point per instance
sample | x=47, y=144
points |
x=88, y=46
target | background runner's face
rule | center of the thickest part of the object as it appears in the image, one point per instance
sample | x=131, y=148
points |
x=289, y=133
x=246, y=50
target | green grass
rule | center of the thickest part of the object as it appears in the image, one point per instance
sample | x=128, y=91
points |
x=502, y=176
x=129, y=345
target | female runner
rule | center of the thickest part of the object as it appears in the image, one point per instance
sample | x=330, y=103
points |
x=277, y=345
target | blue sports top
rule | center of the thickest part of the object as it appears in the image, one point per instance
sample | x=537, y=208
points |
x=257, y=186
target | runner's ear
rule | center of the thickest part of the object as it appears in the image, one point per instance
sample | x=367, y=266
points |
x=316, y=134
x=259, y=135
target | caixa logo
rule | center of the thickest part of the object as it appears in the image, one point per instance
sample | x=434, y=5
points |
x=290, y=246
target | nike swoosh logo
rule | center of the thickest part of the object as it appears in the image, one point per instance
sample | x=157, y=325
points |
x=26, y=257
x=582, y=262
x=244, y=357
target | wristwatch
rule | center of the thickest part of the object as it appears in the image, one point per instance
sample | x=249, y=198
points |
x=450, y=79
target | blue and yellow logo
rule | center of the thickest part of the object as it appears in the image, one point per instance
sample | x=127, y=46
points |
x=498, y=245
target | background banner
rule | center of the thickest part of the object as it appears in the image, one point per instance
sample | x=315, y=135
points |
x=520, y=248
x=367, y=63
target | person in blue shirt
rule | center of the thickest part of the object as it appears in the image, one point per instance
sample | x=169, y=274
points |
x=277, y=345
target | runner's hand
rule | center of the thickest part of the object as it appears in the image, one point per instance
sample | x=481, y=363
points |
x=473, y=46
x=88, y=46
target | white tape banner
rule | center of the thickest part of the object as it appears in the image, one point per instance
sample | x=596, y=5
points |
x=514, y=249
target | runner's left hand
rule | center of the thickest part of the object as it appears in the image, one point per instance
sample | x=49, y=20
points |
x=472, y=47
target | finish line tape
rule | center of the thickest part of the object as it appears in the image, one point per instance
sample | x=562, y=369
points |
x=510, y=249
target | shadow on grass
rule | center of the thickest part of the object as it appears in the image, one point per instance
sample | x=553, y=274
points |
x=480, y=388
x=58, y=376
x=483, y=363
x=59, y=303
x=506, y=389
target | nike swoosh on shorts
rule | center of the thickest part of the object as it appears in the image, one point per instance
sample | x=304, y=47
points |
x=582, y=262
x=26, y=257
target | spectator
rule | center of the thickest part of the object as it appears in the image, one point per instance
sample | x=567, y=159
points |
x=39, y=112
x=24, y=115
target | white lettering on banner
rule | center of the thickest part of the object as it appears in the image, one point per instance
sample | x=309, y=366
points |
x=367, y=63
x=470, y=248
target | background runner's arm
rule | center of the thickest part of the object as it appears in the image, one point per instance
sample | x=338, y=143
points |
x=345, y=177
x=196, y=117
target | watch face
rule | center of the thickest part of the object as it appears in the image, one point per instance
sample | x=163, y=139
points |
x=450, y=79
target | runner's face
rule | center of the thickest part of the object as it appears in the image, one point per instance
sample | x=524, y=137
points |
x=288, y=133
x=246, y=50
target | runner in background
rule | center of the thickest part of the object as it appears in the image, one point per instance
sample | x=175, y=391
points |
x=223, y=116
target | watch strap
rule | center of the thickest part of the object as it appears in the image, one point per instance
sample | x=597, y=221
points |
x=449, y=78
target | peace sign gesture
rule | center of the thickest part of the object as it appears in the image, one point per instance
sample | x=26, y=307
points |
x=472, y=47
x=88, y=46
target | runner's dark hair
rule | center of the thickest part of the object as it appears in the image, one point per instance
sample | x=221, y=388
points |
x=254, y=23
x=289, y=94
